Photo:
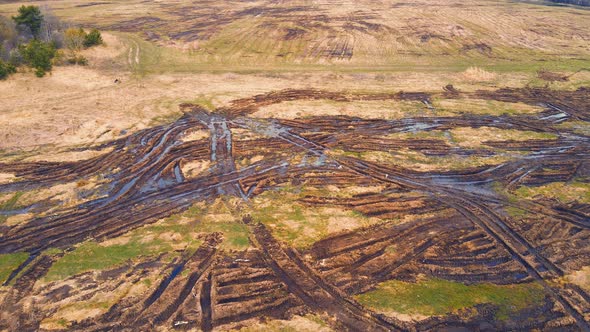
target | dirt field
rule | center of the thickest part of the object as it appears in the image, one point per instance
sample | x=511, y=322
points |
x=302, y=166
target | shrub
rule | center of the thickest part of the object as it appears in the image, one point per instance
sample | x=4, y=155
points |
x=82, y=61
x=93, y=38
x=15, y=57
x=77, y=60
x=31, y=17
x=75, y=39
x=38, y=55
x=6, y=69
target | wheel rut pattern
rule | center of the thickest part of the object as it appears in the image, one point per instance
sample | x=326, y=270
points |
x=461, y=230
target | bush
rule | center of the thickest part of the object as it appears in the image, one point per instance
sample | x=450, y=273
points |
x=82, y=61
x=38, y=55
x=77, y=60
x=75, y=39
x=93, y=38
x=30, y=17
x=15, y=57
x=6, y=69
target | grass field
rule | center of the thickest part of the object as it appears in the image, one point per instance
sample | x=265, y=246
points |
x=428, y=35
x=438, y=297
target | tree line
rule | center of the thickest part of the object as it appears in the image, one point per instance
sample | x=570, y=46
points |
x=38, y=39
x=573, y=2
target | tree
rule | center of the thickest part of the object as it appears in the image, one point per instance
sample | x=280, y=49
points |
x=93, y=38
x=38, y=55
x=31, y=17
x=52, y=28
x=574, y=2
x=7, y=30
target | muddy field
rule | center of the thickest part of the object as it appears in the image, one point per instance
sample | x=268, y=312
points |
x=317, y=166
x=463, y=228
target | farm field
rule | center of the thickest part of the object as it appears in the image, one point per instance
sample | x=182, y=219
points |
x=301, y=166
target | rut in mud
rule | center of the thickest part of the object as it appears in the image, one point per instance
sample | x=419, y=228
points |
x=462, y=231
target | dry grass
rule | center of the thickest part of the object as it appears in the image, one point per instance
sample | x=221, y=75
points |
x=84, y=106
x=476, y=74
x=433, y=34
x=308, y=323
x=581, y=278
x=299, y=225
x=364, y=109
x=418, y=161
x=474, y=137
x=478, y=106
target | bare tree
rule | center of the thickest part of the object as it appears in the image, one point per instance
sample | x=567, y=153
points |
x=8, y=37
x=52, y=27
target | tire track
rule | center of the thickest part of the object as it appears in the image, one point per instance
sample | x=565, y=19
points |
x=314, y=292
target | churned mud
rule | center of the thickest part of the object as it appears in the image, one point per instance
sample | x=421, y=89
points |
x=461, y=229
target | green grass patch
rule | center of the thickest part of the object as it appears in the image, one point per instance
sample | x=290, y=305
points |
x=9, y=204
x=150, y=240
x=218, y=216
x=165, y=119
x=93, y=256
x=235, y=234
x=438, y=297
x=516, y=212
x=301, y=226
x=204, y=101
x=578, y=127
x=564, y=192
x=9, y=262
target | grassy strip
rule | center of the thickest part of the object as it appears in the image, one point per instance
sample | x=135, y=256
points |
x=438, y=297
x=10, y=204
x=9, y=262
x=564, y=192
x=298, y=225
x=146, y=241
